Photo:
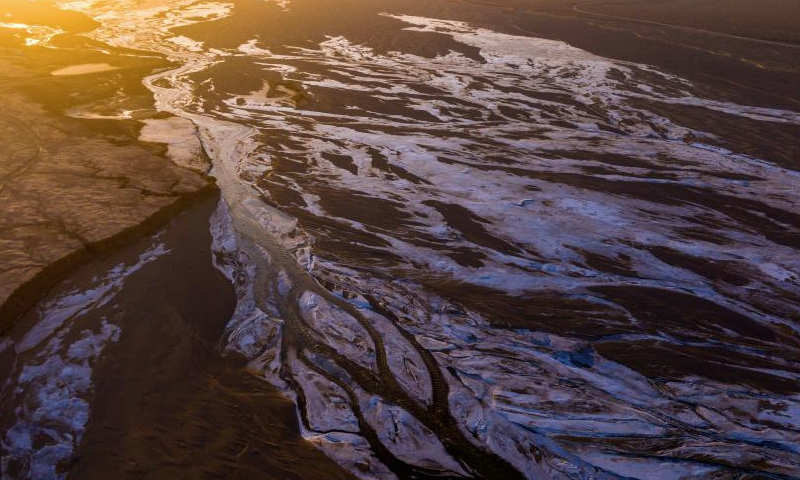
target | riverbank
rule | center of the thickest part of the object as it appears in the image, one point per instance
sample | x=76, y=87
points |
x=76, y=181
x=163, y=400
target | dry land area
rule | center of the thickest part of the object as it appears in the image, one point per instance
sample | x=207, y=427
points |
x=74, y=179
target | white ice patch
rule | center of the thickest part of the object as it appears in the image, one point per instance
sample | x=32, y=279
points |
x=50, y=381
x=338, y=329
x=406, y=437
x=83, y=69
x=352, y=452
x=54, y=314
x=251, y=331
x=327, y=404
x=180, y=137
x=37, y=34
x=404, y=361
x=56, y=390
x=187, y=43
x=282, y=4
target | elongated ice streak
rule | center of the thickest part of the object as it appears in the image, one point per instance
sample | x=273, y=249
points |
x=535, y=160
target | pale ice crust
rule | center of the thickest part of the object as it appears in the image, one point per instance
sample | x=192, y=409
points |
x=511, y=391
x=180, y=137
x=51, y=377
x=83, y=69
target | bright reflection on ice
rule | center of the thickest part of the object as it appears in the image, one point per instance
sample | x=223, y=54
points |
x=39, y=34
x=83, y=69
